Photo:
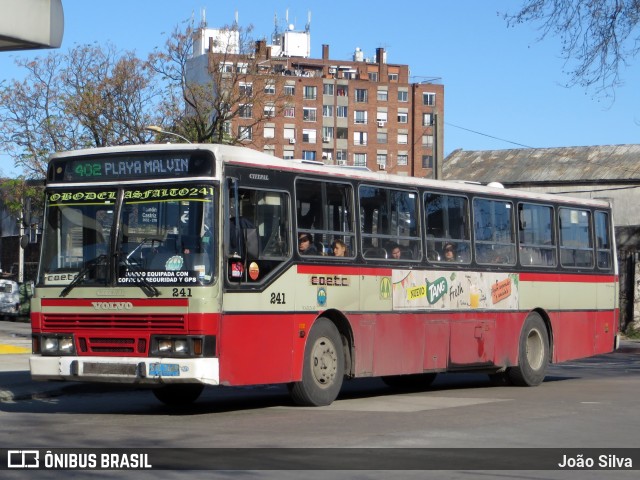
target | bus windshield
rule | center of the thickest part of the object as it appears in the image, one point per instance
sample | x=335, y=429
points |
x=141, y=236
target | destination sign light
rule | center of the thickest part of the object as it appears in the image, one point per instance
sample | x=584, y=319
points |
x=100, y=168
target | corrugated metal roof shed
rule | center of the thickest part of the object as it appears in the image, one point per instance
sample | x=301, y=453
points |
x=526, y=166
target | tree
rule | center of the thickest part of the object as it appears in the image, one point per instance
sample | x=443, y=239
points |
x=232, y=85
x=91, y=96
x=598, y=36
x=21, y=197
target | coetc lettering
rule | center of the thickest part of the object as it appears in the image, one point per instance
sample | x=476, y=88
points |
x=330, y=281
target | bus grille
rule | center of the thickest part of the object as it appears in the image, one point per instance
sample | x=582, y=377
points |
x=171, y=322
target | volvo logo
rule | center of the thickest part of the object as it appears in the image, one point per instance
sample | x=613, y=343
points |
x=112, y=305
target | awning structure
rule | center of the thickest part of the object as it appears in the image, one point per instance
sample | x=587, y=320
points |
x=31, y=24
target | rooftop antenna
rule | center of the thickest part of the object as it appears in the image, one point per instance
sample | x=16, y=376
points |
x=307, y=27
x=235, y=23
x=203, y=14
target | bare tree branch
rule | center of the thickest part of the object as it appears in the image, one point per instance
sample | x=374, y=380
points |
x=599, y=37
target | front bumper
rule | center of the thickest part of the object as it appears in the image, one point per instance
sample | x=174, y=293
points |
x=128, y=370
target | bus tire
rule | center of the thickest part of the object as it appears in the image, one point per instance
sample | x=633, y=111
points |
x=533, y=353
x=323, y=367
x=416, y=381
x=179, y=394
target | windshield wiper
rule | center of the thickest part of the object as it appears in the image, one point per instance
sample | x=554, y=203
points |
x=100, y=259
x=140, y=281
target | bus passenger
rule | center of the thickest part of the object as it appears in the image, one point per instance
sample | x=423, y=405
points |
x=339, y=248
x=305, y=246
x=449, y=252
x=395, y=251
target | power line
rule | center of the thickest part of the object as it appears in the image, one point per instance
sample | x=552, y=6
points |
x=487, y=135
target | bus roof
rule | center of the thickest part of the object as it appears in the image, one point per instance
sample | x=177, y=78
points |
x=238, y=155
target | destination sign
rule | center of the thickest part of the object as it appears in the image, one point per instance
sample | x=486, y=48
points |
x=141, y=166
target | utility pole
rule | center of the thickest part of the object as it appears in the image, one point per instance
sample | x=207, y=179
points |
x=21, y=248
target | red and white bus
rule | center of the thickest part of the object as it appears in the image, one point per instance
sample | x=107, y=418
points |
x=180, y=266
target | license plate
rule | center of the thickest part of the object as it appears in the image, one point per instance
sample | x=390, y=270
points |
x=164, y=370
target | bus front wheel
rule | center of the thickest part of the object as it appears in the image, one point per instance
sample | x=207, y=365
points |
x=323, y=368
x=533, y=356
x=180, y=394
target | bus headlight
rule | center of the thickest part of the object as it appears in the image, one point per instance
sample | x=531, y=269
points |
x=183, y=346
x=57, y=345
x=165, y=345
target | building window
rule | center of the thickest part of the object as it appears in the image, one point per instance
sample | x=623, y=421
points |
x=403, y=159
x=429, y=99
x=403, y=96
x=269, y=110
x=225, y=67
x=427, y=140
x=287, y=155
x=270, y=88
x=403, y=139
x=403, y=117
x=362, y=95
x=310, y=92
x=309, y=155
x=381, y=118
x=341, y=156
x=289, y=133
x=328, y=88
x=327, y=111
x=360, y=159
x=289, y=112
x=342, y=133
x=427, y=119
x=382, y=137
x=245, y=89
x=383, y=95
x=245, y=133
x=393, y=77
x=309, y=135
x=373, y=76
x=342, y=111
x=269, y=132
x=327, y=134
x=427, y=161
x=309, y=114
x=360, y=116
x=342, y=91
x=381, y=160
x=359, y=138
x=241, y=68
x=245, y=110
x=269, y=150
x=290, y=90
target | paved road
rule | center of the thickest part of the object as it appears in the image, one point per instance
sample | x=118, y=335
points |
x=590, y=403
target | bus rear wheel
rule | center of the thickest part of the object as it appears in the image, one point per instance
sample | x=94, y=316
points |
x=323, y=367
x=180, y=394
x=533, y=356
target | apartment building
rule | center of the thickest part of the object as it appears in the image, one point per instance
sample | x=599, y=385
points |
x=359, y=112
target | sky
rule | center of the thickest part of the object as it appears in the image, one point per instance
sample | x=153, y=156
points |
x=503, y=87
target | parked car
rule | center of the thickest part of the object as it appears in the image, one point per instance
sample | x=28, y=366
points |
x=9, y=298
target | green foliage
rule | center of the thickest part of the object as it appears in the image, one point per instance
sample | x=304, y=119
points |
x=18, y=194
x=632, y=331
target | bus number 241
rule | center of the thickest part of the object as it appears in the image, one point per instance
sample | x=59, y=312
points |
x=278, y=298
